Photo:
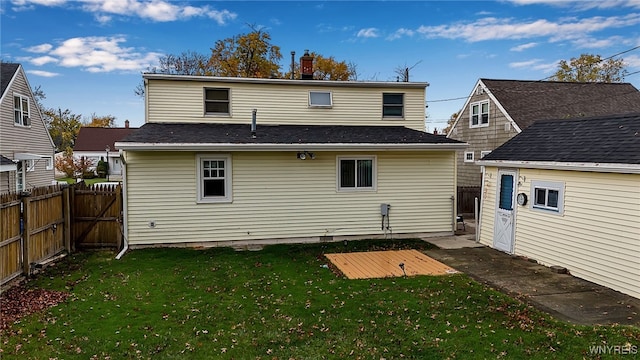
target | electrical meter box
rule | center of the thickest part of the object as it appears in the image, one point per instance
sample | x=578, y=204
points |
x=384, y=209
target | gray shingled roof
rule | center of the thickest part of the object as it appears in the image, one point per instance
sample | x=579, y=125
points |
x=213, y=133
x=7, y=70
x=5, y=161
x=530, y=101
x=613, y=139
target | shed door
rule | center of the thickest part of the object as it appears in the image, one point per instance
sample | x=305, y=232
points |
x=503, y=232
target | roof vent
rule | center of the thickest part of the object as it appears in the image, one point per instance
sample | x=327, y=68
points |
x=306, y=66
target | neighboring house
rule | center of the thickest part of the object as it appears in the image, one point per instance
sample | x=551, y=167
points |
x=96, y=143
x=497, y=110
x=24, y=139
x=320, y=164
x=567, y=193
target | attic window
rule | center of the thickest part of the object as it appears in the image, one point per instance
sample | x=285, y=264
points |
x=320, y=99
x=479, y=114
x=21, y=110
x=216, y=101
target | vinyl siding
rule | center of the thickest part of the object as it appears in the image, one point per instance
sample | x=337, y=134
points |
x=479, y=139
x=182, y=101
x=276, y=196
x=18, y=139
x=598, y=236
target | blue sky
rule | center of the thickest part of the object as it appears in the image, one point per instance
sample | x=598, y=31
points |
x=88, y=55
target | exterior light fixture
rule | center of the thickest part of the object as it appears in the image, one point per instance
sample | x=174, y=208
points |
x=303, y=155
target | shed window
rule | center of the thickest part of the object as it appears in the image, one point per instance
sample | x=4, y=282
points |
x=320, y=99
x=216, y=101
x=548, y=196
x=392, y=105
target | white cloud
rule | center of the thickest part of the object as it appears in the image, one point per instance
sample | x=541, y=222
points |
x=492, y=28
x=535, y=64
x=632, y=61
x=524, y=64
x=154, y=10
x=401, y=33
x=97, y=54
x=368, y=33
x=42, y=48
x=42, y=73
x=523, y=47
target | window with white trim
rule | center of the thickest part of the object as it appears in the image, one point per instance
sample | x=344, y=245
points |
x=357, y=173
x=468, y=156
x=30, y=165
x=547, y=196
x=49, y=162
x=393, y=105
x=217, y=101
x=320, y=99
x=21, y=110
x=479, y=114
x=214, y=178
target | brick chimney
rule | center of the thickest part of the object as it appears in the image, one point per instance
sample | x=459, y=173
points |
x=126, y=124
x=306, y=66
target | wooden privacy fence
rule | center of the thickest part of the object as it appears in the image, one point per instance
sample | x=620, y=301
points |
x=41, y=224
x=466, y=199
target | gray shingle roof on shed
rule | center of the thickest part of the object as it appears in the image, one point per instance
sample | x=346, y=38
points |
x=7, y=71
x=5, y=161
x=214, y=133
x=530, y=101
x=613, y=139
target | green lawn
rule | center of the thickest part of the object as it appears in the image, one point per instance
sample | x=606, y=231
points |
x=87, y=181
x=281, y=303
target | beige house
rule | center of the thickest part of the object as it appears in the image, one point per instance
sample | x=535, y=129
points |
x=26, y=149
x=223, y=161
x=498, y=110
x=567, y=193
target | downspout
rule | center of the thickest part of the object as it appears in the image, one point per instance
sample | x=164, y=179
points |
x=125, y=213
x=479, y=213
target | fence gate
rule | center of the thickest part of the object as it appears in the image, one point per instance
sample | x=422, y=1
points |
x=10, y=246
x=97, y=212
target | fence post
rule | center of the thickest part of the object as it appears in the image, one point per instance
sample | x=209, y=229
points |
x=26, y=261
x=66, y=213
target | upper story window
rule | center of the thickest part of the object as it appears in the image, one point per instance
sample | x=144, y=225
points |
x=216, y=101
x=320, y=99
x=479, y=114
x=548, y=196
x=392, y=105
x=21, y=110
x=469, y=156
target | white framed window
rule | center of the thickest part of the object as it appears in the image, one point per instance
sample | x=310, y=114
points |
x=483, y=153
x=217, y=101
x=48, y=162
x=469, y=156
x=320, y=99
x=479, y=114
x=393, y=105
x=547, y=196
x=356, y=173
x=214, y=178
x=30, y=165
x=21, y=110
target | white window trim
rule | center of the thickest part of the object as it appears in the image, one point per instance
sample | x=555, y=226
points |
x=374, y=175
x=484, y=152
x=549, y=185
x=228, y=181
x=479, y=104
x=49, y=162
x=330, y=105
x=404, y=98
x=472, y=156
x=28, y=111
x=204, y=102
x=30, y=165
